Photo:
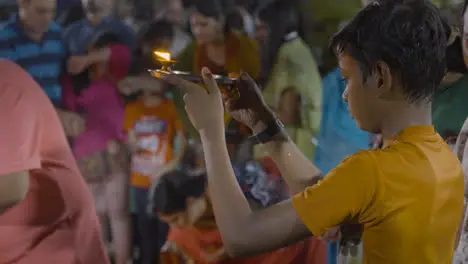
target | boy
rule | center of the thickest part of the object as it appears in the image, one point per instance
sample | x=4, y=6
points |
x=180, y=200
x=407, y=196
x=152, y=125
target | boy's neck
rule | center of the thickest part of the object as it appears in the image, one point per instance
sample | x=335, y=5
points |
x=402, y=116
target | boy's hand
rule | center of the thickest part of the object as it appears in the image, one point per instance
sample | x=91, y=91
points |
x=204, y=106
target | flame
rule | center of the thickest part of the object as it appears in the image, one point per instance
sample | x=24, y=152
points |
x=163, y=55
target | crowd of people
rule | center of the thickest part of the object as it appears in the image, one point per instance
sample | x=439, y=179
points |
x=102, y=162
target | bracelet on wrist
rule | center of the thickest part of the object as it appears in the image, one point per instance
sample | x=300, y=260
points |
x=273, y=128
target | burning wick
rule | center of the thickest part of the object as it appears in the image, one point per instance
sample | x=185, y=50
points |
x=165, y=59
x=163, y=55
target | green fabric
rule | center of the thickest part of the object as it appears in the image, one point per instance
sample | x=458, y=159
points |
x=296, y=67
x=450, y=108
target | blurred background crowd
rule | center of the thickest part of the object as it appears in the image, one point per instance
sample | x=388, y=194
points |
x=130, y=134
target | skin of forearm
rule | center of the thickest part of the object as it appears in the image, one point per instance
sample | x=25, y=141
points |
x=296, y=169
x=244, y=231
x=223, y=187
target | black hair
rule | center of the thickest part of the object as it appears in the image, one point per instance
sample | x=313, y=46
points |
x=408, y=35
x=217, y=9
x=152, y=33
x=72, y=14
x=170, y=194
x=209, y=8
x=82, y=81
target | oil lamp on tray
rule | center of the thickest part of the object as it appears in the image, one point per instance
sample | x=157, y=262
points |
x=165, y=59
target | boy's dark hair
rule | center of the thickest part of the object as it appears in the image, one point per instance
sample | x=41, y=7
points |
x=408, y=35
x=170, y=194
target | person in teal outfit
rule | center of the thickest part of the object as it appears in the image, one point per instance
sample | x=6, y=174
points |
x=449, y=107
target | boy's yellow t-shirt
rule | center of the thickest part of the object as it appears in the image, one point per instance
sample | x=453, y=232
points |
x=408, y=196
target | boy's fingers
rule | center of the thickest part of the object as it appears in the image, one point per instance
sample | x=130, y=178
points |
x=183, y=85
x=209, y=81
x=248, y=80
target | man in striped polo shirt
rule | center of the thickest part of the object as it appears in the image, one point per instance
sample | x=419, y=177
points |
x=32, y=40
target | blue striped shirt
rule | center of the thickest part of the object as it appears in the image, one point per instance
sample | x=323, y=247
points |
x=79, y=35
x=43, y=60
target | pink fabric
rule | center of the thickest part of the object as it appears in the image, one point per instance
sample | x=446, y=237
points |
x=102, y=106
x=56, y=222
x=104, y=118
x=119, y=61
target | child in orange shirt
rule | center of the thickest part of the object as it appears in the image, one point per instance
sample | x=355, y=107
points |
x=181, y=199
x=153, y=127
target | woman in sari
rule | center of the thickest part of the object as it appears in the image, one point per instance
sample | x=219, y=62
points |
x=290, y=76
x=216, y=46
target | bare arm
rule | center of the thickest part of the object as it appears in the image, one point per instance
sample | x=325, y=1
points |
x=247, y=232
x=13, y=189
x=296, y=169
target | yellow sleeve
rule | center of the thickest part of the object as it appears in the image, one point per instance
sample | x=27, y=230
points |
x=346, y=193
